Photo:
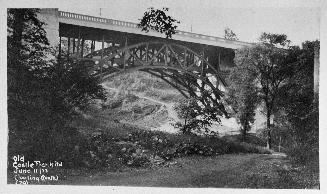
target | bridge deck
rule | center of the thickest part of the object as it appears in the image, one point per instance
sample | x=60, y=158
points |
x=128, y=27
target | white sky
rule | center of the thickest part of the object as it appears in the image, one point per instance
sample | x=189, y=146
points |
x=298, y=19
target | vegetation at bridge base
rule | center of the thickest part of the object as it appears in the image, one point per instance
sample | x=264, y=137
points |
x=196, y=118
x=284, y=81
x=241, y=96
x=119, y=146
x=269, y=66
x=300, y=107
x=44, y=94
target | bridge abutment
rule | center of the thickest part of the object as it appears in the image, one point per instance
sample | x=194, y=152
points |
x=50, y=16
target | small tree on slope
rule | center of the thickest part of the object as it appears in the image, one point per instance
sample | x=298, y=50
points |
x=242, y=96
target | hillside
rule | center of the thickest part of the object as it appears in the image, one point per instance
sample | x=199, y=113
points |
x=146, y=101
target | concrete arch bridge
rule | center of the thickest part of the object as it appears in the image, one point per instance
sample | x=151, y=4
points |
x=194, y=64
x=184, y=69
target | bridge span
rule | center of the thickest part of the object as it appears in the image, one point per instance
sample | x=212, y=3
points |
x=195, y=64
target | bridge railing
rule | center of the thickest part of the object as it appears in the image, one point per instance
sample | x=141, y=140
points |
x=69, y=15
x=82, y=17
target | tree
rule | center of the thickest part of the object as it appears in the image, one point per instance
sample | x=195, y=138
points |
x=158, y=20
x=229, y=34
x=43, y=94
x=27, y=48
x=241, y=95
x=279, y=40
x=270, y=64
x=299, y=104
x=196, y=118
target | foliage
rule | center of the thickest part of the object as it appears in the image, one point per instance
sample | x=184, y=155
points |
x=300, y=106
x=274, y=39
x=271, y=66
x=72, y=87
x=242, y=96
x=143, y=148
x=158, y=20
x=43, y=93
x=26, y=68
x=196, y=118
x=296, y=123
x=298, y=100
x=229, y=34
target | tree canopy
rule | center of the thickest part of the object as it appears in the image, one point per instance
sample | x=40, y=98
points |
x=242, y=96
x=229, y=34
x=158, y=20
x=271, y=66
x=43, y=92
x=196, y=118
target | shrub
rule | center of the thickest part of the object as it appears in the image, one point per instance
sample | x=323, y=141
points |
x=59, y=145
x=196, y=118
x=303, y=153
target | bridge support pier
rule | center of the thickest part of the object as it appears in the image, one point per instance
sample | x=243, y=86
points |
x=74, y=45
x=59, y=46
x=102, y=53
x=68, y=49
x=82, y=48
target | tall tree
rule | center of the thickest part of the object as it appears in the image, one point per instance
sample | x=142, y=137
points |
x=43, y=94
x=298, y=96
x=27, y=48
x=269, y=61
x=241, y=95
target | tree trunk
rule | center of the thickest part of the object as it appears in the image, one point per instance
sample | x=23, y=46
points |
x=244, y=134
x=268, y=130
x=184, y=128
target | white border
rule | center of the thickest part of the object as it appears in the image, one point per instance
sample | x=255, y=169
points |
x=4, y=188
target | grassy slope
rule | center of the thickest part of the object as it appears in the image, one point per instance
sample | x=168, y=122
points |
x=224, y=171
x=154, y=92
x=140, y=99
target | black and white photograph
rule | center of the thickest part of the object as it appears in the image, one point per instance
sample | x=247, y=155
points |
x=150, y=94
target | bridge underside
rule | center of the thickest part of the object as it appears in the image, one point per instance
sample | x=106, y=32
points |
x=195, y=70
x=221, y=58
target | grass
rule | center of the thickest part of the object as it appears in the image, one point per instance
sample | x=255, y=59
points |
x=250, y=138
x=223, y=171
x=164, y=95
x=138, y=81
x=127, y=123
x=141, y=82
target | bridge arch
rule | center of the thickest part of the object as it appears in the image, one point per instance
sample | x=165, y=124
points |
x=181, y=67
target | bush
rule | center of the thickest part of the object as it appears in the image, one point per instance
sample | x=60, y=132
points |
x=196, y=118
x=303, y=153
x=135, y=148
x=52, y=145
